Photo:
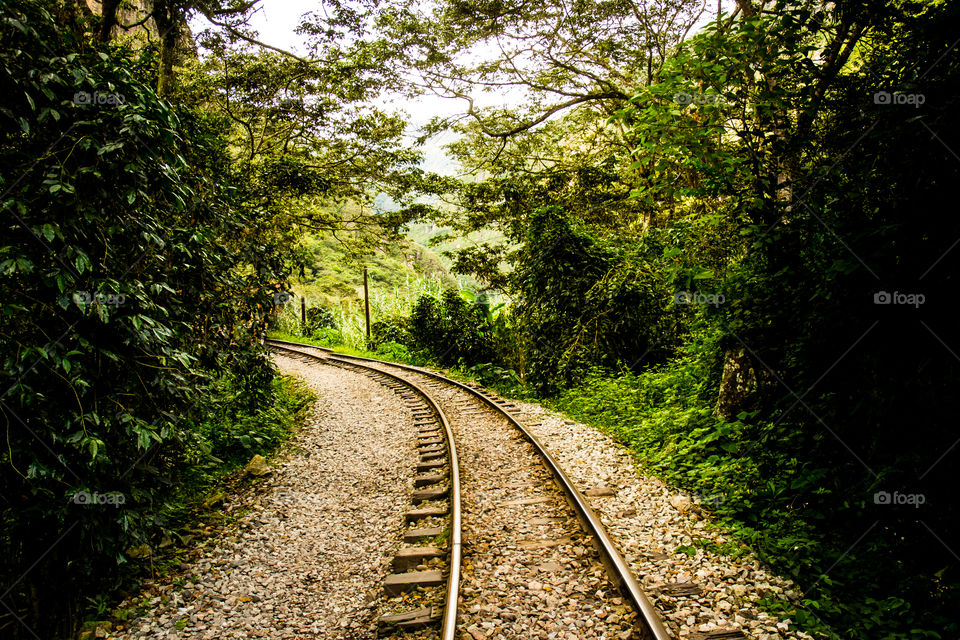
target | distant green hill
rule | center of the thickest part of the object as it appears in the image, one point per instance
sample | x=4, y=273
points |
x=333, y=276
x=424, y=233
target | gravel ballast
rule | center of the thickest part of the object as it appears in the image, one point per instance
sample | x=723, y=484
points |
x=310, y=557
x=649, y=521
x=698, y=596
x=529, y=571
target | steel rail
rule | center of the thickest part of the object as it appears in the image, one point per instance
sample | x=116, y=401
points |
x=299, y=344
x=448, y=628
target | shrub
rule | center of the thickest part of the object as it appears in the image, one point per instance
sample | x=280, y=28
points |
x=318, y=319
x=393, y=329
x=451, y=330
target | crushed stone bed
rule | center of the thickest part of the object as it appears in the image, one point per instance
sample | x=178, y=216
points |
x=309, y=558
x=529, y=571
x=648, y=520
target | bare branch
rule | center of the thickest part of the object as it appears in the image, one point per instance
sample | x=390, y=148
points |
x=542, y=117
x=243, y=36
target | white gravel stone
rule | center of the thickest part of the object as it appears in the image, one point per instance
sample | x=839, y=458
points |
x=649, y=520
x=309, y=558
x=517, y=529
x=313, y=550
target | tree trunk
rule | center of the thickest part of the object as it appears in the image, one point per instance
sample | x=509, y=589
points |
x=739, y=384
x=108, y=19
x=168, y=24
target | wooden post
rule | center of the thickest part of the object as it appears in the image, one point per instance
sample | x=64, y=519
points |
x=366, y=302
x=303, y=313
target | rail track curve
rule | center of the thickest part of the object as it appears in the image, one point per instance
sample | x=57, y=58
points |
x=650, y=625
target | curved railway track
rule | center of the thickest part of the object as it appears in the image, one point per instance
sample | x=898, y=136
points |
x=434, y=434
x=648, y=626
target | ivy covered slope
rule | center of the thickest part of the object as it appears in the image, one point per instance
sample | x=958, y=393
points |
x=133, y=297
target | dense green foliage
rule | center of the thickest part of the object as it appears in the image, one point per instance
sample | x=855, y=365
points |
x=129, y=309
x=830, y=220
x=141, y=259
x=602, y=304
x=449, y=329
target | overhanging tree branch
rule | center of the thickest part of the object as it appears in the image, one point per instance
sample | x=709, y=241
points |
x=248, y=38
